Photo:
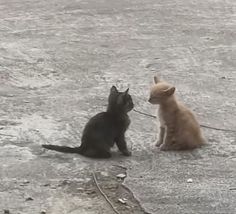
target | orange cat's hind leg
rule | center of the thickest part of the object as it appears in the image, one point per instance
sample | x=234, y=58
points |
x=173, y=145
x=183, y=146
x=165, y=147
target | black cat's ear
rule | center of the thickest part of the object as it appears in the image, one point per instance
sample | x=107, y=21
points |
x=113, y=89
x=127, y=91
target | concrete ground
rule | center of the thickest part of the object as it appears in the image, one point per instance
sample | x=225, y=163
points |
x=58, y=60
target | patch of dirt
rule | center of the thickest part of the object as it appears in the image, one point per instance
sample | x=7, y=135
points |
x=120, y=196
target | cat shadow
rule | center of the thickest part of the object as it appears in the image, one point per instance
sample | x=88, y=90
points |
x=194, y=154
x=115, y=155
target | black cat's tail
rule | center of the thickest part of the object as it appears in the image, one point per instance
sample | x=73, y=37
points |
x=64, y=149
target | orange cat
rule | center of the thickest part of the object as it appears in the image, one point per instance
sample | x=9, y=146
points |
x=179, y=128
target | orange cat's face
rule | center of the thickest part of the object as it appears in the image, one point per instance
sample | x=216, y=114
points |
x=160, y=91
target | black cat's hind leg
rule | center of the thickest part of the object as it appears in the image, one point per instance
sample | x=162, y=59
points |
x=122, y=146
x=103, y=154
x=96, y=153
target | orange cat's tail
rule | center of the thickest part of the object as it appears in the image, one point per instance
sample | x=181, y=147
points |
x=203, y=141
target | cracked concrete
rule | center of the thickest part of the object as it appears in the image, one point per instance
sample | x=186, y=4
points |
x=58, y=60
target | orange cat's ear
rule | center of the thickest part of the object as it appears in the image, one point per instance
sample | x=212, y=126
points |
x=169, y=91
x=156, y=79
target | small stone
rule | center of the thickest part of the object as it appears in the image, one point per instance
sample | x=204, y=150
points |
x=104, y=174
x=190, y=180
x=6, y=211
x=65, y=182
x=121, y=176
x=43, y=212
x=40, y=60
x=122, y=200
x=29, y=199
x=24, y=183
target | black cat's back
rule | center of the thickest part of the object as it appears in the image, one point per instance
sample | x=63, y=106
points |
x=100, y=127
x=105, y=125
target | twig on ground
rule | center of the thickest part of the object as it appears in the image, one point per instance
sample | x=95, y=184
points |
x=149, y=115
x=204, y=126
x=122, y=167
x=218, y=129
x=103, y=194
x=7, y=135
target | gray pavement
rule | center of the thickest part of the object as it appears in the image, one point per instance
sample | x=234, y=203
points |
x=58, y=60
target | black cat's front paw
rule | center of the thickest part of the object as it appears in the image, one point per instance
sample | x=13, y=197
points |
x=126, y=153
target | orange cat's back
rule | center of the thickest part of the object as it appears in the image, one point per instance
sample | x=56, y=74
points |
x=188, y=129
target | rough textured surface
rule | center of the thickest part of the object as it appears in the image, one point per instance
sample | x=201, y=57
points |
x=58, y=60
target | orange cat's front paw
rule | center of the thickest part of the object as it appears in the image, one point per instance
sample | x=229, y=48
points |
x=163, y=147
x=158, y=143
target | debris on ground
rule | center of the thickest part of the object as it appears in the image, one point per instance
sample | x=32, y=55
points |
x=121, y=176
x=190, y=180
x=122, y=200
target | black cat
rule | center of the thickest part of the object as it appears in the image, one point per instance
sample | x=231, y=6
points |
x=104, y=129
